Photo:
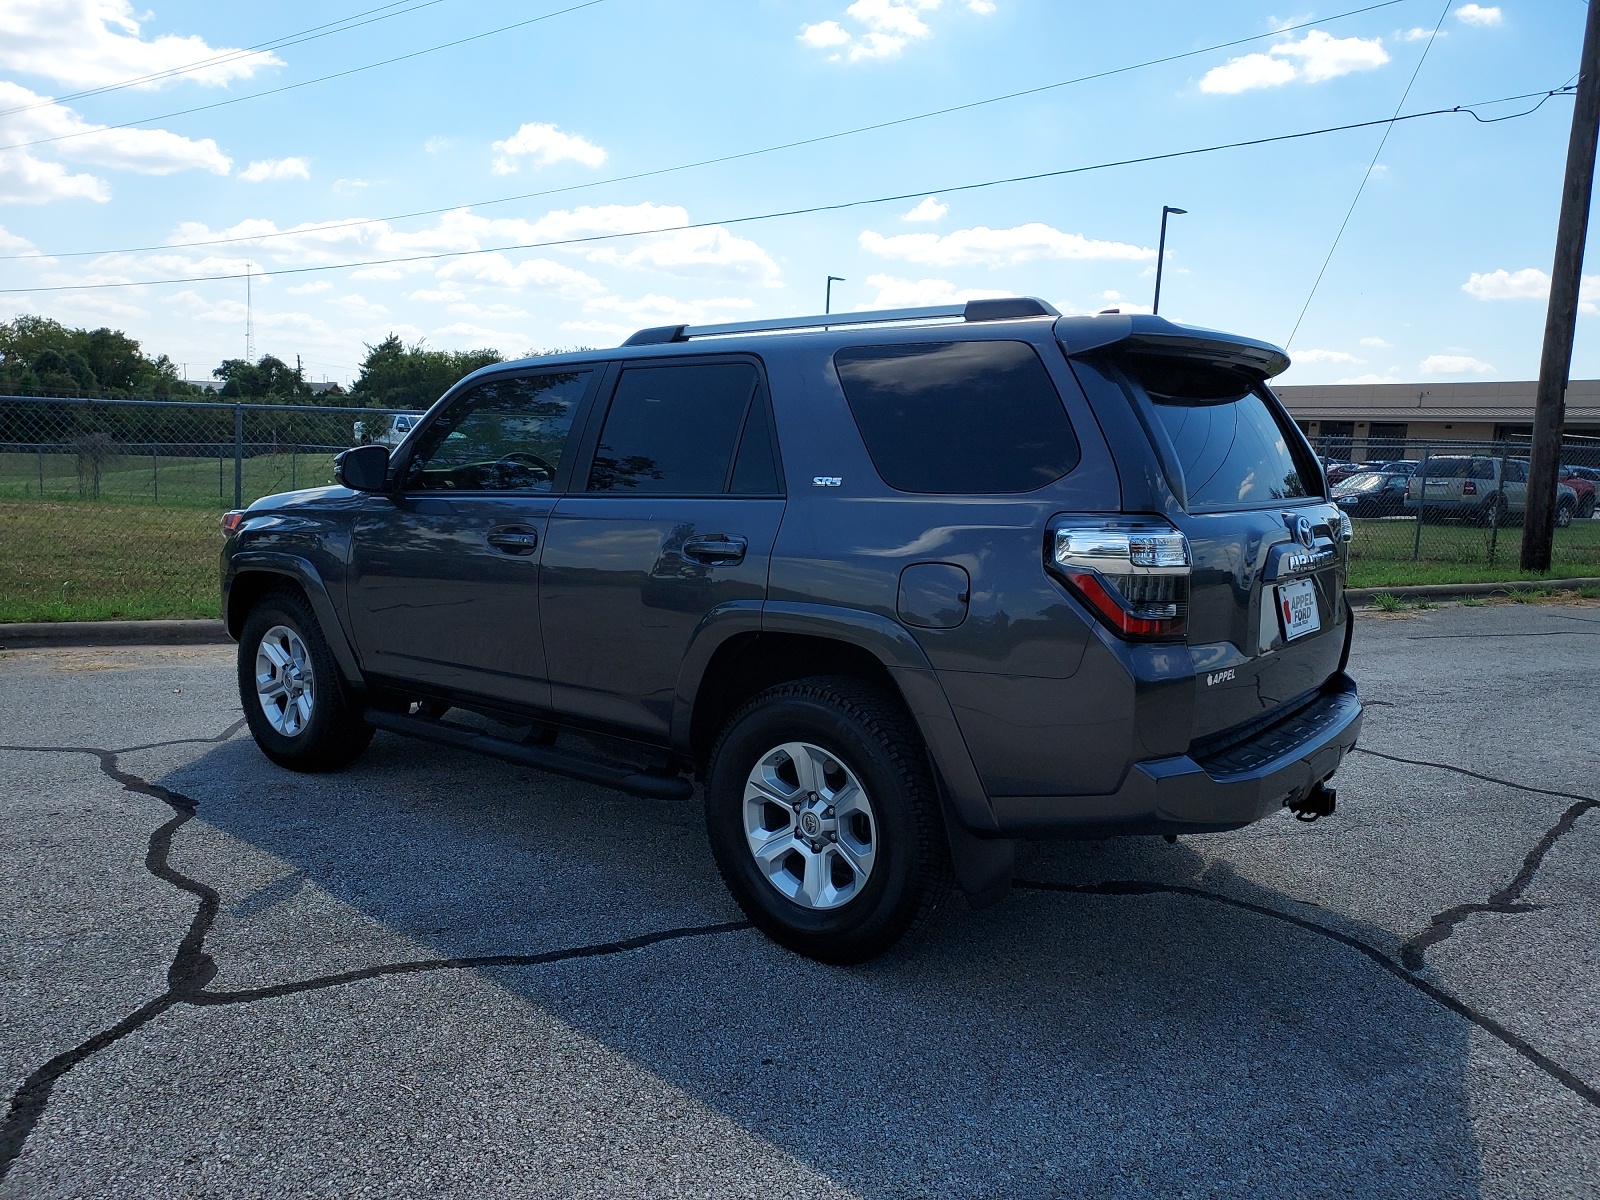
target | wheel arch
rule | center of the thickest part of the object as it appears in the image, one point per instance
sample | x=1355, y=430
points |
x=254, y=575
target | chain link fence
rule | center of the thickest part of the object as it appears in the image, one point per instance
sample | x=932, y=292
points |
x=109, y=508
x=1452, y=511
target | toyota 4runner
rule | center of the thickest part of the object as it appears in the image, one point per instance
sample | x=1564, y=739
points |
x=898, y=588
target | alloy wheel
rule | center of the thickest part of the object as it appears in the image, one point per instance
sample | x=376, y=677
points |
x=809, y=825
x=285, y=682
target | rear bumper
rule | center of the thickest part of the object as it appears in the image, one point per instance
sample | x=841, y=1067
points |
x=1225, y=790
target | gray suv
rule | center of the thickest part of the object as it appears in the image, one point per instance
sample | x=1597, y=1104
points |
x=898, y=588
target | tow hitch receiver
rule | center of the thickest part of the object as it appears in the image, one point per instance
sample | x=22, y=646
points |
x=1318, y=802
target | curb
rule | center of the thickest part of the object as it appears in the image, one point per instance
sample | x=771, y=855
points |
x=1448, y=591
x=112, y=633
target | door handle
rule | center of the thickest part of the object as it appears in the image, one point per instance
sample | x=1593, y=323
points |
x=513, y=539
x=715, y=548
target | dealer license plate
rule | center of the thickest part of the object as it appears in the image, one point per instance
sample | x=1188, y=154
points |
x=1297, y=607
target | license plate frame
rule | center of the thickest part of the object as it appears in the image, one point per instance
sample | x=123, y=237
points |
x=1297, y=609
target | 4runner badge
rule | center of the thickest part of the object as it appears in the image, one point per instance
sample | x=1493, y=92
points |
x=826, y=481
x=1217, y=677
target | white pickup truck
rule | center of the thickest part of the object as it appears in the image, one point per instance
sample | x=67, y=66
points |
x=385, y=431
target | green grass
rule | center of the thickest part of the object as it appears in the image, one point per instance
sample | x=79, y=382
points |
x=168, y=482
x=88, y=562
x=1382, y=553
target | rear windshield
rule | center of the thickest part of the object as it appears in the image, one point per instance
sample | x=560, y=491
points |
x=1457, y=468
x=1232, y=450
x=958, y=417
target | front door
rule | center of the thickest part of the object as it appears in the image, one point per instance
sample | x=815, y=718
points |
x=444, y=582
x=675, y=516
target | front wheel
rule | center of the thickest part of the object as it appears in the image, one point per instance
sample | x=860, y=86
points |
x=294, y=700
x=824, y=819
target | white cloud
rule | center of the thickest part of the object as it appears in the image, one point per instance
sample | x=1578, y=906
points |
x=435, y=144
x=543, y=146
x=886, y=28
x=982, y=246
x=916, y=293
x=1325, y=356
x=12, y=243
x=653, y=309
x=929, y=210
x=360, y=305
x=1478, y=14
x=711, y=253
x=310, y=289
x=1121, y=303
x=26, y=176
x=1453, y=364
x=276, y=168
x=1373, y=341
x=1369, y=377
x=349, y=187
x=1529, y=283
x=539, y=274
x=1419, y=34
x=90, y=43
x=1314, y=58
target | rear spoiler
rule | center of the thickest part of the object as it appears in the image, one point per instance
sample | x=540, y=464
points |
x=1117, y=333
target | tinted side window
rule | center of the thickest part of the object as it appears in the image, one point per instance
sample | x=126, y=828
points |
x=958, y=417
x=1232, y=451
x=505, y=434
x=673, y=429
x=755, y=471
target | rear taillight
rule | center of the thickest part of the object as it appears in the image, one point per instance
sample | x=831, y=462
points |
x=231, y=521
x=1133, y=574
x=1469, y=488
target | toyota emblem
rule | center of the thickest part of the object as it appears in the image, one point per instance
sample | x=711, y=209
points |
x=1300, y=529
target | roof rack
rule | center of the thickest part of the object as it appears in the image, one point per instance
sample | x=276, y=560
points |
x=1003, y=309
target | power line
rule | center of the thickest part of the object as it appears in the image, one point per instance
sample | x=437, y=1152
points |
x=289, y=87
x=1356, y=199
x=794, y=212
x=342, y=25
x=727, y=158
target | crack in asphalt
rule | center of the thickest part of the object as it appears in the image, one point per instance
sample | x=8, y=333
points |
x=1442, y=925
x=192, y=968
x=1140, y=887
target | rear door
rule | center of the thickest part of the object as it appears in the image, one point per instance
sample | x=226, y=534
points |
x=672, y=516
x=1266, y=617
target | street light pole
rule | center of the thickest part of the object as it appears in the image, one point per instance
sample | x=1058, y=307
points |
x=827, y=303
x=1161, y=252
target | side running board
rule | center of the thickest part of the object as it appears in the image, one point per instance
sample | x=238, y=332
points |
x=624, y=778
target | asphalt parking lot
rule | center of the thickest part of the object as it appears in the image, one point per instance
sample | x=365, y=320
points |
x=439, y=975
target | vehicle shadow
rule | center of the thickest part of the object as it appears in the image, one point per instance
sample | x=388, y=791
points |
x=1125, y=1043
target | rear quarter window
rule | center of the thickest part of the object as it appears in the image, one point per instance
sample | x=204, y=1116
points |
x=958, y=417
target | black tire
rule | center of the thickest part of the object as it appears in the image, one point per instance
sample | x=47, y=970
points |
x=1563, y=515
x=870, y=733
x=334, y=734
x=1493, y=511
x=1586, y=507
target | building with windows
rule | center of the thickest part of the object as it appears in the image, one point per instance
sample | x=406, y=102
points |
x=1357, y=422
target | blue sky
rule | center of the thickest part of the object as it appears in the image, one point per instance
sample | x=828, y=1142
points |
x=1440, y=274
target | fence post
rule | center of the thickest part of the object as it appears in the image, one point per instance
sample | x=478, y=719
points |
x=238, y=456
x=155, y=476
x=1499, y=503
x=1422, y=503
x=293, y=459
x=41, y=474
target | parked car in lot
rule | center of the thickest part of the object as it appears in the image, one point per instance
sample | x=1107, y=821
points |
x=1478, y=487
x=1584, y=482
x=382, y=430
x=1372, y=493
x=898, y=588
x=1336, y=470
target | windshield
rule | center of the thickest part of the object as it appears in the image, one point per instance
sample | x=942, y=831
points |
x=1366, y=481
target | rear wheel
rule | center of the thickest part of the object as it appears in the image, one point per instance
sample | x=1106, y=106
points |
x=1563, y=514
x=1586, y=506
x=294, y=699
x=824, y=819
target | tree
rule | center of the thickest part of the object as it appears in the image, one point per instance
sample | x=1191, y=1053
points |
x=42, y=357
x=271, y=380
x=395, y=375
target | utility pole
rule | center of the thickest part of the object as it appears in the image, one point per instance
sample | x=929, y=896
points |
x=249, y=318
x=827, y=303
x=1560, y=324
x=1161, y=253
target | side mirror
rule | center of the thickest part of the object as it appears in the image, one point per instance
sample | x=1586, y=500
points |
x=362, y=468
